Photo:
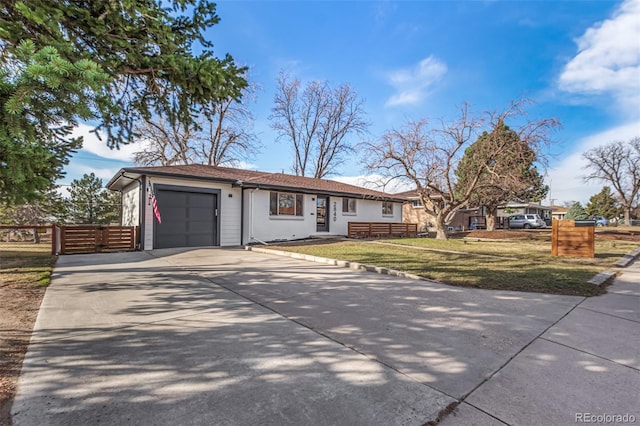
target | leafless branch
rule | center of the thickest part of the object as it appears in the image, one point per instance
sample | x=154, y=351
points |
x=221, y=136
x=317, y=122
x=618, y=163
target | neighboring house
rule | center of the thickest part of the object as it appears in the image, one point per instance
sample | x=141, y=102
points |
x=413, y=212
x=525, y=208
x=217, y=206
x=558, y=212
x=463, y=219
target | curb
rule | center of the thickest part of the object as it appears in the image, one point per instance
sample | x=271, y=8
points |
x=607, y=276
x=625, y=260
x=342, y=263
x=602, y=278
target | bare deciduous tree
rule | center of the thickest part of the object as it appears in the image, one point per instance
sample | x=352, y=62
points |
x=220, y=136
x=317, y=122
x=618, y=163
x=425, y=157
x=428, y=157
x=165, y=144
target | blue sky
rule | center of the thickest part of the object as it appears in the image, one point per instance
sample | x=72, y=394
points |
x=578, y=60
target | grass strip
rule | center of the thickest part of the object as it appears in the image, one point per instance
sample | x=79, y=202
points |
x=25, y=267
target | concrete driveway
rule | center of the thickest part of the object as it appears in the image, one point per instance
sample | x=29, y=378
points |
x=213, y=336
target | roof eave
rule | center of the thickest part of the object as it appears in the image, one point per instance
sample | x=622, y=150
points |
x=239, y=182
x=114, y=185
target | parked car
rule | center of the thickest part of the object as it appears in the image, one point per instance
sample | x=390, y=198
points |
x=526, y=221
x=601, y=221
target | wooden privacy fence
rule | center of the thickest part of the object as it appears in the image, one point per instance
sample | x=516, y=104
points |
x=573, y=238
x=97, y=239
x=381, y=229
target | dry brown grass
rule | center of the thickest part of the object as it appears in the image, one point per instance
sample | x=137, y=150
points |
x=24, y=274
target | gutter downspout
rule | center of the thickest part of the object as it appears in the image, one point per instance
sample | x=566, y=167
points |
x=142, y=210
x=242, y=188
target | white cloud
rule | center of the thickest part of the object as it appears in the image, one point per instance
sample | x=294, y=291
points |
x=608, y=59
x=99, y=147
x=374, y=181
x=413, y=84
x=565, y=178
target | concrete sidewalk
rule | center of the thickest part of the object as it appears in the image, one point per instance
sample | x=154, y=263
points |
x=214, y=336
x=581, y=370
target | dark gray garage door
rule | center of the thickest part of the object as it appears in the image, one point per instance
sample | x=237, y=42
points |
x=188, y=219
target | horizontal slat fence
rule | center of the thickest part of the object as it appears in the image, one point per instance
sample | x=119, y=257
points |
x=381, y=229
x=97, y=239
x=570, y=240
x=81, y=239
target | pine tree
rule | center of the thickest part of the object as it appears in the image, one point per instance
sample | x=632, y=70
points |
x=576, y=212
x=39, y=103
x=603, y=204
x=510, y=175
x=114, y=63
x=90, y=203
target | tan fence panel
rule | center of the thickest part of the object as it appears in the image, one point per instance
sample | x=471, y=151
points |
x=570, y=240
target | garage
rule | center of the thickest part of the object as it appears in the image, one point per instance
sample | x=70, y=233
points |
x=189, y=218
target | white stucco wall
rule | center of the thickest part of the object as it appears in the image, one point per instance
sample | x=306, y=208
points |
x=257, y=221
x=229, y=215
x=261, y=226
x=131, y=205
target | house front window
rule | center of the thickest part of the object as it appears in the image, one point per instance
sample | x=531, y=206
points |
x=387, y=208
x=349, y=206
x=285, y=204
x=416, y=204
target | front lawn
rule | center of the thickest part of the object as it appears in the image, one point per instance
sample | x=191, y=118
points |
x=521, y=265
x=535, y=248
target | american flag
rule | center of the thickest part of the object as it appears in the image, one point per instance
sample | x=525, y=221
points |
x=154, y=203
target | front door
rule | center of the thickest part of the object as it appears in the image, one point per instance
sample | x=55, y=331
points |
x=322, y=214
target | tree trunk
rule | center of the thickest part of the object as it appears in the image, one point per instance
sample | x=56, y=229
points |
x=627, y=215
x=492, y=219
x=441, y=234
x=491, y=222
x=441, y=229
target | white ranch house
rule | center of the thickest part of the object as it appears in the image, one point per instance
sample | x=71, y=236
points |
x=217, y=206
